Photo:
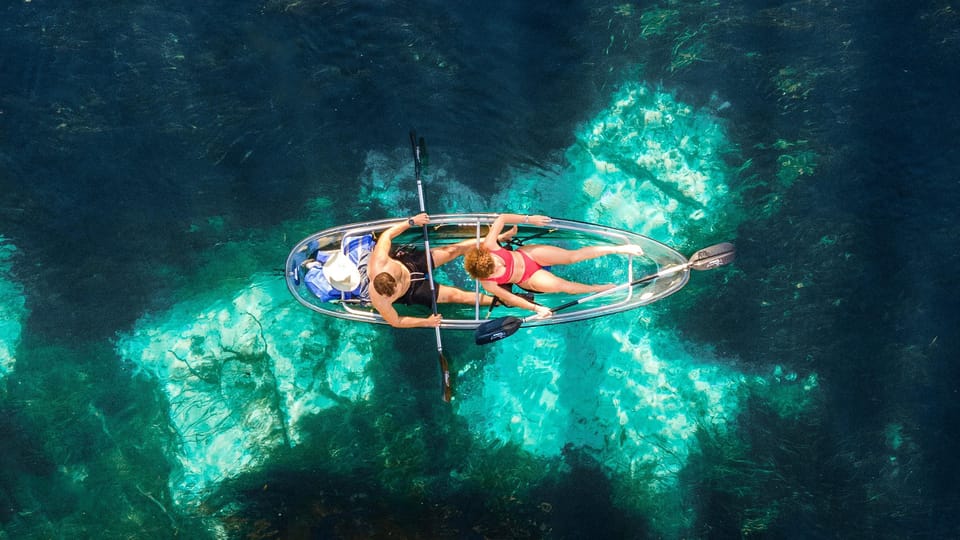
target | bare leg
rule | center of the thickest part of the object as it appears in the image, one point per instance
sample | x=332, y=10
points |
x=546, y=282
x=453, y=295
x=445, y=254
x=550, y=255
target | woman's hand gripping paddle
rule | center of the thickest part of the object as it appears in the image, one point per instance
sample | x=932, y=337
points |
x=446, y=388
x=706, y=259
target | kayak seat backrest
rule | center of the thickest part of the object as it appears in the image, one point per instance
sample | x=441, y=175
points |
x=296, y=269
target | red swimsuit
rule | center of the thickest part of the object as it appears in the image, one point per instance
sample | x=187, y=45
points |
x=530, y=266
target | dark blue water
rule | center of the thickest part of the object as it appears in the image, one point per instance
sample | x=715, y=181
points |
x=151, y=151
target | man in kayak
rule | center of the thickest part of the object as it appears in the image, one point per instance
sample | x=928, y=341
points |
x=527, y=266
x=403, y=278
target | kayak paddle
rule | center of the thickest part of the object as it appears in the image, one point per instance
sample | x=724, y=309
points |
x=444, y=366
x=706, y=259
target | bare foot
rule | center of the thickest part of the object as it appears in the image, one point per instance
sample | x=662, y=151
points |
x=504, y=236
x=630, y=250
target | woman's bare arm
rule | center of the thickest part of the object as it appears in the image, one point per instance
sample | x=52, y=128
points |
x=490, y=241
x=513, y=300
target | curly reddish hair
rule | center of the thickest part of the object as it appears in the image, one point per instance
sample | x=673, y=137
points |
x=479, y=263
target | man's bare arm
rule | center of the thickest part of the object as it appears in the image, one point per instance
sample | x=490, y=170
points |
x=394, y=319
x=381, y=251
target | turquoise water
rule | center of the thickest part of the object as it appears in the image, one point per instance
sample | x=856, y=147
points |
x=158, y=163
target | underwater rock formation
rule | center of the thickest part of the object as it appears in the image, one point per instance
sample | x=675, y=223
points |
x=240, y=373
x=12, y=309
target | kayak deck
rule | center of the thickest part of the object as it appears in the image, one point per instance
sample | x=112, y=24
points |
x=446, y=229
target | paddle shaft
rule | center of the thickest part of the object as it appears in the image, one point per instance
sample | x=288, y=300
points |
x=705, y=259
x=663, y=273
x=433, y=293
x=426, y=247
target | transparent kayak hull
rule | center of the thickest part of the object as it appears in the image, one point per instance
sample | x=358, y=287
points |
x=446, y=229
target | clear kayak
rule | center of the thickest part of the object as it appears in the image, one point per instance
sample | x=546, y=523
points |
x=667, y=270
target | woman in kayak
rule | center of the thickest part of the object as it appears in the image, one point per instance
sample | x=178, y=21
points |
x=495, y=266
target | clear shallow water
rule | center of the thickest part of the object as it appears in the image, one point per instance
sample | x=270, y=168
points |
x=158, y=162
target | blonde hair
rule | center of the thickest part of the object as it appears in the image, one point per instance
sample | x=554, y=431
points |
x=479, y=263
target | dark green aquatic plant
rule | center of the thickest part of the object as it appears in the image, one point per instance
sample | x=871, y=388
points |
x=776, y=468
x=369, y=471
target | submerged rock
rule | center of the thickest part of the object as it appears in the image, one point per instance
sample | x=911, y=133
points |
x=12, y=309
x=240, y=373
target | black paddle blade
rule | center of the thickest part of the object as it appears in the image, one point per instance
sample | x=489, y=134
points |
x=496, y=329
x=424, y=156
x=713, y=256
x=445, y=385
